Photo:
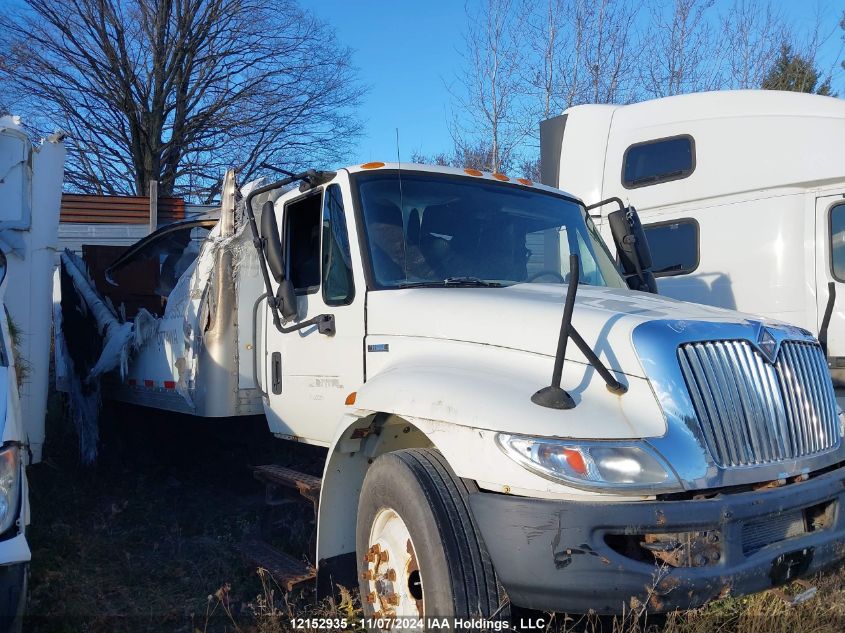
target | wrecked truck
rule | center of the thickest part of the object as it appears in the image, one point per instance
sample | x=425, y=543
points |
x=30, y=194
x=511, y=417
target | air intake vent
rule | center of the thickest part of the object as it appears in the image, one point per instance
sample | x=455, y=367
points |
x=752, y=412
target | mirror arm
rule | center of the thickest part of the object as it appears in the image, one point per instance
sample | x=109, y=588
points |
x=613, y=385
x=259, y=242
x=828, y=312
x=601, y=203
x=553, y=396
x=324, y=322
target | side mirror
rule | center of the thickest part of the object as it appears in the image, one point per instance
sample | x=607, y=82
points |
x=632, y=247
x=286, y=299
x=272, y=242
x=285, y=295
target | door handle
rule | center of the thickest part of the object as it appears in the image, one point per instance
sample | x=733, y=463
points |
x=276, y=373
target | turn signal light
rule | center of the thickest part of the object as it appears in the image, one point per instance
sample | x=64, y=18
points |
x=373, y=165
x=350, y=399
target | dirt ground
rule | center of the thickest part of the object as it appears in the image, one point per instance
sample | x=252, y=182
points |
x=143, y=540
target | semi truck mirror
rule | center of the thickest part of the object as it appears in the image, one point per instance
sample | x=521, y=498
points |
x=272, y=242
x=632, y=248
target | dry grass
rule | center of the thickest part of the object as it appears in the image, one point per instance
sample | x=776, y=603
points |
x=146, y=542
x=270, y=612
x=22, y=367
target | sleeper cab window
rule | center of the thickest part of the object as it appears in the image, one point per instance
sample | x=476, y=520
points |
x=660, y=160
x=338, y=285
x=673, y=246
x=837, y=241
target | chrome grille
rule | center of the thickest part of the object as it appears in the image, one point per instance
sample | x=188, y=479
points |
x=753, y=412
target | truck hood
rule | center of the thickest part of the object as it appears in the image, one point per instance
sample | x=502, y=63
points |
x=527, y=317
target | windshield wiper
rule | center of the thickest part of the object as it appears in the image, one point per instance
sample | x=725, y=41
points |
x=456, y=282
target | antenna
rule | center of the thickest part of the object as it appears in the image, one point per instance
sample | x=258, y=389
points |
x=401, y=197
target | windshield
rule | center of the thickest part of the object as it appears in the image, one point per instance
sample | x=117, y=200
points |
x=439, y=230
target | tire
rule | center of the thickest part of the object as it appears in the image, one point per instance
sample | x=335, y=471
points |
x=412, y=501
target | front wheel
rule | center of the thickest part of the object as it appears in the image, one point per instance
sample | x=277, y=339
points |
x=419, y=551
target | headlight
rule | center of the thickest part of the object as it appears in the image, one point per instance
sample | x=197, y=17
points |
x=10, y=482
x=598, y=465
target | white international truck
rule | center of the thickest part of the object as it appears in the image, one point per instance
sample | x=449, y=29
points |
x=506, y=422
x=30, y=193
x=741, y=194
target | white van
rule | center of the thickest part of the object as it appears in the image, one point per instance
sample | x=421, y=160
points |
x=742, y=195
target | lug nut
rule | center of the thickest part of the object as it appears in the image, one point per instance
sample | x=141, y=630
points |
x=371, y=597
x=393, y=599
x=391, y=575
x=369, y=557
x=383, y=557
x=367, y=575
x=375, y=549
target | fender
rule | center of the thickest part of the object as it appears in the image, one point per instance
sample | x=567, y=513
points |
x=393, y=411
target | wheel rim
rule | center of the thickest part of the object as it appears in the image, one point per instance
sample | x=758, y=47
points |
x=392, y=576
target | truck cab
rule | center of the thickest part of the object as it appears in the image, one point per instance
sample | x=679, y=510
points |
x=507, y=422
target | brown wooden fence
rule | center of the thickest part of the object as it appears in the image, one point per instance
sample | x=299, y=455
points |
x=84, y=209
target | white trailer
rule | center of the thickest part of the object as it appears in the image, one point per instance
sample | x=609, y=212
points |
x=30, y=191
x=409, y=320
x=741, y=193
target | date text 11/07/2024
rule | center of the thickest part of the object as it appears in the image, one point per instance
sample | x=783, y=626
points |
x=419, y=624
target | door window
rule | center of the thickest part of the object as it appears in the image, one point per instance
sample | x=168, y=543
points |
x=302, y=243
x=338, y=285
x=673, y=246
x=837, y=241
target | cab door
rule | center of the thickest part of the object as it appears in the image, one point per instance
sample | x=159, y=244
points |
x=308, y=375
x=830, y=268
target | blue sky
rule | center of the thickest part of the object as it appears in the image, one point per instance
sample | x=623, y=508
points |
x=409, y=51
x=405, y=50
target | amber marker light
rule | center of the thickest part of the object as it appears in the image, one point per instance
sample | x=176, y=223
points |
x=525, y=181
x=501, y=177
x=575, y=460
x=373, y=165
x=472, y=172
x=350, y=399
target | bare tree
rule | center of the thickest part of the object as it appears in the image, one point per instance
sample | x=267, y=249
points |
x=545, y=35
x=580, y=51
x=680, y=53
x=488, y=89
x=604, y=31
x=177, y=90
x=752, y=31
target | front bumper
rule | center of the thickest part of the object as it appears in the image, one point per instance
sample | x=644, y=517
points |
x=553, y=555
